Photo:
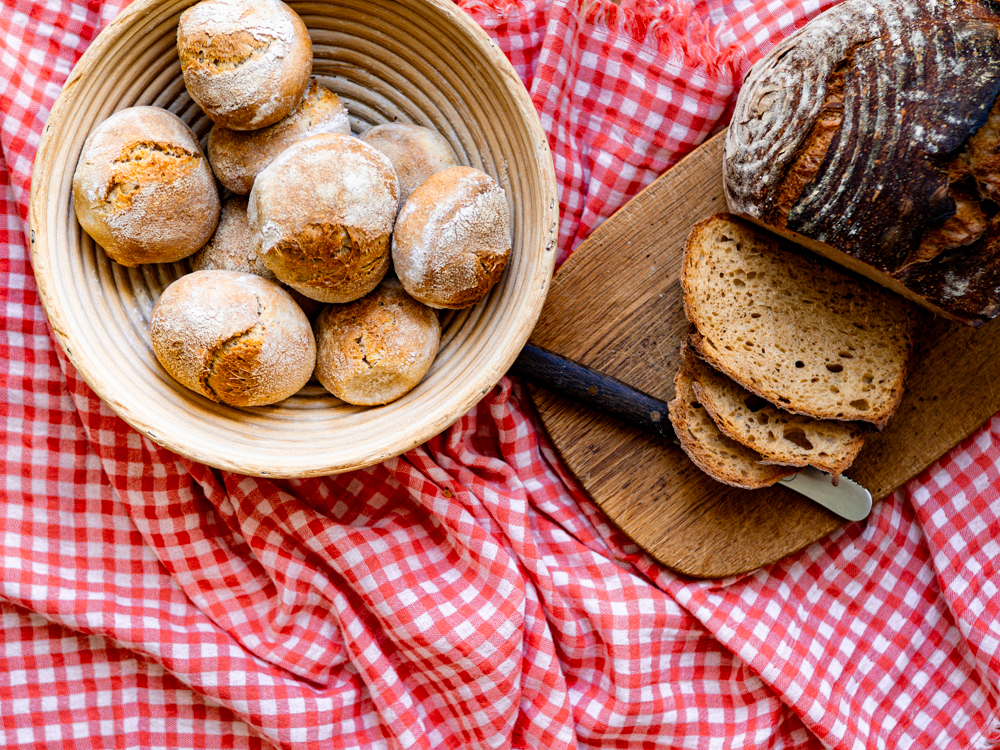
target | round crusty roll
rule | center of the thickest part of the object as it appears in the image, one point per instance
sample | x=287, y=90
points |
x=237, y=156
x=375, y=349
x=322, y=215
x=233, y=337
x=143, y=189
x=232, y=249
x=246, y=63
x=452, y=238
x=416, y=152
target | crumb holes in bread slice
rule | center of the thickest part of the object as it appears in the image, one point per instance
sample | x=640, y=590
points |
x=754, y=402
x=797, y=436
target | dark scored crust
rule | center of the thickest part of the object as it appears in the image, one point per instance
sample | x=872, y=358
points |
x=874, y=131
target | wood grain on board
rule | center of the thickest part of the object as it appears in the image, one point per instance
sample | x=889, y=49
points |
x=616, y=306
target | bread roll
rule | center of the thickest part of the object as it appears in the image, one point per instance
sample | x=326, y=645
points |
x=322, y=214
x=143, y=189
x=234, y=338
x=237, y=156
x=452, y=239
x=375, y=349
x=246, y=63
x=872, y=136
x=416, y=153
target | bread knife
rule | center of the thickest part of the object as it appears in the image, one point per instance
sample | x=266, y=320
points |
x=611, y=396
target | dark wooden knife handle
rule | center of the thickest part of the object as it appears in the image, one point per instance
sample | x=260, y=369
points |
x=594, y=389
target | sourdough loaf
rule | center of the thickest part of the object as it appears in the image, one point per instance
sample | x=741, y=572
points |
x=780, y=437
x=721, y=458
x=794, y=329
x=872, y=136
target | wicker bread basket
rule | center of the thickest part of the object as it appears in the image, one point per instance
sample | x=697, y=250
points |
x=420, y=61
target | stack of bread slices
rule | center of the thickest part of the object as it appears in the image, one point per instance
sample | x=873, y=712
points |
x=790, y=360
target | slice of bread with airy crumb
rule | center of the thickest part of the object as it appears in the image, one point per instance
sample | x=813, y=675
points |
x=722, y=459
x=780, y=437
x=795, y=330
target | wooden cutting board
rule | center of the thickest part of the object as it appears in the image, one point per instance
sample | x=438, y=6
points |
x=615, y=305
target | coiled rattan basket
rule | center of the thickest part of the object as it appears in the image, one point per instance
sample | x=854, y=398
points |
x=421, y=61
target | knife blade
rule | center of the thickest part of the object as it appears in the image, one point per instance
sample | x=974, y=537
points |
x=611, y=396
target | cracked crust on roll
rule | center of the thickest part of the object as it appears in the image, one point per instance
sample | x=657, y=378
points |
x=246, y=63
x=452, y=240
x=234, y=338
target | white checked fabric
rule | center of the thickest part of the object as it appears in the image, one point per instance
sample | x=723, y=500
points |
x=466, y=594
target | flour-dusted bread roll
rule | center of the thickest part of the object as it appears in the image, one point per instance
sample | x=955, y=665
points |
x=245, y=62
x=237, y=156
x=416, y=152
x=232, y=337
x=143, y=189
x=376, y=349
x=452, y=238
x=872, y=136
x=322, y=214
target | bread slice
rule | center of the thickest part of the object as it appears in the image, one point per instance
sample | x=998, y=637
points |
x=721, y=458
x=795, y=330
x=780, y=437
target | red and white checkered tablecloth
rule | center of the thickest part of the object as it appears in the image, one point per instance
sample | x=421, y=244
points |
x=467, y=594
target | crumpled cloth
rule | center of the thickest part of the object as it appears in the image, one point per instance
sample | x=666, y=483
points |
x=466, y=594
